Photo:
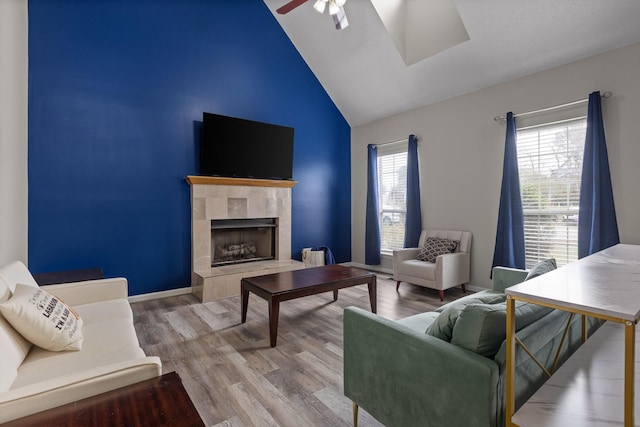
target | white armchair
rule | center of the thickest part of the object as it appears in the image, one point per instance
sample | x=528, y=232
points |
x=449, y=270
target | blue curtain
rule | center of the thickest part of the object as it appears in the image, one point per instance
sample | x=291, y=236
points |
x=413, y=218
x=372, y=231
x=597, y=224
x=509, y=248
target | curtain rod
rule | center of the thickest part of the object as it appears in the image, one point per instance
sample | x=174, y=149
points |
x=502, y=119
x=394, y=142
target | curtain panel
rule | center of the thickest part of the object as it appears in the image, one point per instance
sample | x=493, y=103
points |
x=372, y=241
x=413, y=218
x=597, y=223
x=509, y=249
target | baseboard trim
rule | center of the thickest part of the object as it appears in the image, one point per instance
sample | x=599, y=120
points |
x=161, y=294
x=185, y=291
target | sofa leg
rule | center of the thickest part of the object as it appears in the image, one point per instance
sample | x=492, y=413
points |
x=441, y=292
x=464, y=290
x=355, y=414
x=397, y=285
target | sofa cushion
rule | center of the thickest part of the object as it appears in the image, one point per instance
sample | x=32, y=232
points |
x=12, y=274
x=481, y=328
x=43, y=319
x=14, y=347
x=478, y=297
x=419, y=322
x=420, y=269
x=13, y=350
x=541, y=267
x=109, y=337
x=434, y=247
x=443, y=326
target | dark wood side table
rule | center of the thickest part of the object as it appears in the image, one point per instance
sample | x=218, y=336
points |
x=289, y=285
x=55, y=277
x=160, y=401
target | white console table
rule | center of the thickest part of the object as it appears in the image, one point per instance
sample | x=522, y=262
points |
x=605, y=285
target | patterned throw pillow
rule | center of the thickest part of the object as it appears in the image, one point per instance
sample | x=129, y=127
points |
x=435, y=246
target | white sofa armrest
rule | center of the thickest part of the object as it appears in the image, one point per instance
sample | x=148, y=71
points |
x=89, y=291
x=400, y=255
x=43, y=395
x=453, y=269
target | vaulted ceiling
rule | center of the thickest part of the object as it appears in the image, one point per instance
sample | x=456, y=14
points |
x=367, y=74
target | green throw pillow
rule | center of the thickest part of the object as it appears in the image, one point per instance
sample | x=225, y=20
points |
x=481, y=328
x=541, y=267
x=442, y=327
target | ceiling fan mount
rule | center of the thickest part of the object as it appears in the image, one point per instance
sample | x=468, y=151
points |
x=336, y=10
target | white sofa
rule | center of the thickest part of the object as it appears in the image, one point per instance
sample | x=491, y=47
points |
x=33, y=379
x=449, y=270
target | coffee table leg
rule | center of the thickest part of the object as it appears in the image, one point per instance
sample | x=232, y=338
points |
x=373, y=295
x=245, y=302
x=274, y=312
x=335, y=295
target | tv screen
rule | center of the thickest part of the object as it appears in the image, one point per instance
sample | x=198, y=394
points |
x=233, y=147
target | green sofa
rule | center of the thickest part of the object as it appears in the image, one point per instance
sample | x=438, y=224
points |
x=403, y=376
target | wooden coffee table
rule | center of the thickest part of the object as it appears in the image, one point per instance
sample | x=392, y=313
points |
x=160, y=401
x=290, y=285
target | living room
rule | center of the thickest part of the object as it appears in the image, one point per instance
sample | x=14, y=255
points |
x=94, y=174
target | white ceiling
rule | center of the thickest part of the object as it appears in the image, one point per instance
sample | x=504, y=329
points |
x=367, y=78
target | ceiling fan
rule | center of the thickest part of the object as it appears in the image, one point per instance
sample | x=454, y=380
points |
x=335, y=10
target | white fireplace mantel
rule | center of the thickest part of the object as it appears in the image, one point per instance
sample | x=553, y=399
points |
x=214, y=198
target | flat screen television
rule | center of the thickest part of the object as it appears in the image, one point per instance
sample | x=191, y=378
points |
x=239, y=148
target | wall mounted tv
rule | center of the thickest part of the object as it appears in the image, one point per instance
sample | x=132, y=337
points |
x=233, y=147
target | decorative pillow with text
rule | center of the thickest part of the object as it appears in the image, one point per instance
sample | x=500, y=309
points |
x=43, y=319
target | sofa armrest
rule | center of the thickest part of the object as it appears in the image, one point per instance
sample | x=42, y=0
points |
x=400, y=255
x=406, y=378
x=88, y=291
x=503, y=277
x=453, y=269
x=47, y=394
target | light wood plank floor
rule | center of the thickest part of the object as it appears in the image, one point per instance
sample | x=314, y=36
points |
x=236, y=379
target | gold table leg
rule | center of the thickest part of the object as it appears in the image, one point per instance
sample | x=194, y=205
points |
x=355, y=414
x=510, y=403
x=629, y=371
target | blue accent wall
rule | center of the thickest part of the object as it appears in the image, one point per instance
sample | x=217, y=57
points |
x=116, y=94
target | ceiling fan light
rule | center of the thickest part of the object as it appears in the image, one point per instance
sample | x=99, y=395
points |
x=319, y=5
x=333, y=7
x=341, y=2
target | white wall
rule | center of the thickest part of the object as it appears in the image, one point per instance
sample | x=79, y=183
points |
x=461, y=149
x=13, y=130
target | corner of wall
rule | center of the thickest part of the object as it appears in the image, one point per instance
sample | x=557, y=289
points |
x=13, y=123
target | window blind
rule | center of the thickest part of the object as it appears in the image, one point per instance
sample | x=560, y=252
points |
x=392, y=188
x=550, y=167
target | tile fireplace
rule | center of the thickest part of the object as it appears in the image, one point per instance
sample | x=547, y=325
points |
x=239, y=228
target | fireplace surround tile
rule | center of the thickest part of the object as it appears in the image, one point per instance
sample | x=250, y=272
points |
x=237, y=207
x=232, y=198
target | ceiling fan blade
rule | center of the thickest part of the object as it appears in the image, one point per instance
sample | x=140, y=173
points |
x=290, y=6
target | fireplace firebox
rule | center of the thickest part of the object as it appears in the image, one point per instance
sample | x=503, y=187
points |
x=235, y=241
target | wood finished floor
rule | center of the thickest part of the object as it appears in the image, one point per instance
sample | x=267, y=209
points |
x=236, y=379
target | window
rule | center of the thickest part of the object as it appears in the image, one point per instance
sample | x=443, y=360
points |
x=392, y=188
x=550, y=167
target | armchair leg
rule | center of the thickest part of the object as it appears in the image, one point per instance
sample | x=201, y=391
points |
x=397, y=285
x=464, y=290
x=355, y=414
x=441, y=292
